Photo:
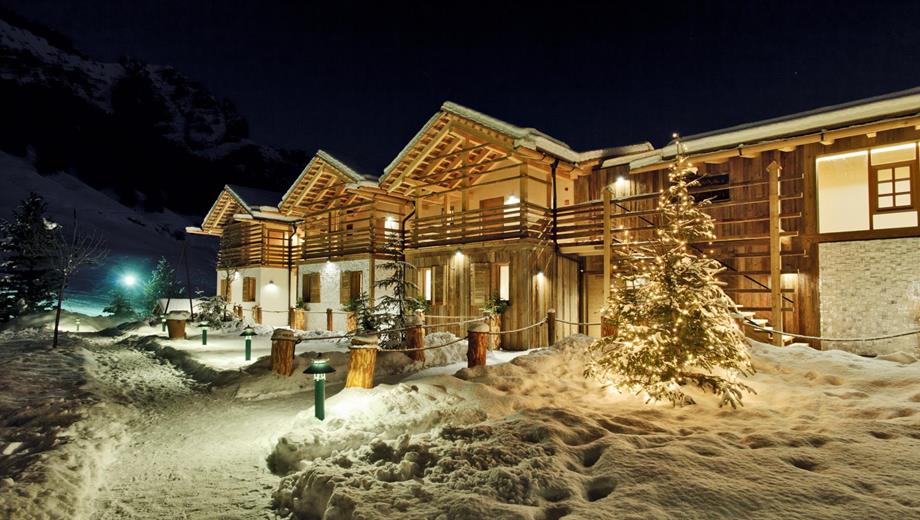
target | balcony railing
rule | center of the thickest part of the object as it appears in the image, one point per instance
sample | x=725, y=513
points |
x=520, y=220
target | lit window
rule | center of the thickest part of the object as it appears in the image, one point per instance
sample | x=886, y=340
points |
x=504, y=282
x=426, y=283
x=893, y=187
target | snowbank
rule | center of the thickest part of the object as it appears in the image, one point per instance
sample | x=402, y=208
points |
x=828, y=435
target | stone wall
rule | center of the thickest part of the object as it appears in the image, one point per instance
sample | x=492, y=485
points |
x=869, y=288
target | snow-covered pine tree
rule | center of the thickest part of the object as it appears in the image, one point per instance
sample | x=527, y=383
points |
x=162, y=284
x=673, y=321
x=119, y=306
x=396, y=306
x=26, y=284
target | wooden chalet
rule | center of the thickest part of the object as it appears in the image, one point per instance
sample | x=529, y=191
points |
x=254, y=258
x=816, y=215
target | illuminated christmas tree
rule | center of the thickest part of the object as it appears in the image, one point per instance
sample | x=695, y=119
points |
x=673, y=321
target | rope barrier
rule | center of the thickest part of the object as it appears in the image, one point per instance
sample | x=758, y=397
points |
x=577, y=324
x=537, y=324
x=443, y=316
x=753, y=325
x=451, y=324
x=317, y=338
x=458, y=340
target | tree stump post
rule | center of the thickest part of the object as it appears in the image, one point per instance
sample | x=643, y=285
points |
x=477, y=344
x=329, y=320
x=283, y=341
x=494, y=321
x=351, y=322
x=415, y=338
x=300, y=319
x=551, y=327
x=362, y=357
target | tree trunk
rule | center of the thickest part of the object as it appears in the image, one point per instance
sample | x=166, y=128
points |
x=57, y=316
x=415, y=338
x=477, y=345
x=607, y=328
x=283, y=357
x=362, y=358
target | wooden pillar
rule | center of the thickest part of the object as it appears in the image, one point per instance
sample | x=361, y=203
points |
x=608, y=241
x=415, y=338
x=524, y=178
x=477, y=344
x=362, y=358
x=776, y=294
x=551, y=327
x=372, y=282
x=329, y=319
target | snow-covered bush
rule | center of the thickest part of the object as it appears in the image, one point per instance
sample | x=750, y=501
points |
x=213, y=310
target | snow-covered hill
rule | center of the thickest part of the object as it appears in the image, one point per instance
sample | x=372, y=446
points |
x=136, y=239
x=137, y=129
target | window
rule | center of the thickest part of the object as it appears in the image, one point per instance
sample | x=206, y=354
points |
x=713, y=187
x=425, y=283
x=503, y=282
x=225, y=289
x=249, y=289
x=310, y=288
x=349, y=286
x=892, y=183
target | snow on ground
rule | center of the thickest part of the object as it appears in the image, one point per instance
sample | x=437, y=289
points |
x=828, y=435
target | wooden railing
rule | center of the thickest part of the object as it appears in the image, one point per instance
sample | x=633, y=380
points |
x=245, y=245
x=512, y=221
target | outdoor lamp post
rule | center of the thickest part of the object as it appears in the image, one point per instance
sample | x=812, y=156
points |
x=319, y=368
x=248, y=333
x=204, y=332
x=163, y=322
x=77, y=321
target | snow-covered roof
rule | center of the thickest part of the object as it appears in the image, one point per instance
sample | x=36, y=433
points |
x=525, y=137
x=892, y=105
x=348, y=171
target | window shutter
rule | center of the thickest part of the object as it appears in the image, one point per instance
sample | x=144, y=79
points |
x=479, y=289
x=224, y=293
x=437, y=285
x=314, y=288
x=249, y=289
x=344, y=287
x=305, y=287
x=357, y=284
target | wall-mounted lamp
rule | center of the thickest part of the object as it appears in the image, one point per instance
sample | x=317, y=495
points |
x=458, y=253
x=512, y=199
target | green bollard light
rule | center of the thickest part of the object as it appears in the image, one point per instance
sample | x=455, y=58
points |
x=204, y=332
x=78, y=324
x=319, y=368
x=248, y=332
x=162, y=322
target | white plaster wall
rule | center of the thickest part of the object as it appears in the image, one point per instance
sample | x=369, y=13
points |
x=330, y=286
x=273, y=298
x=865, y=289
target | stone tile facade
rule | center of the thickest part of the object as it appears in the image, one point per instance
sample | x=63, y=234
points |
x=868, y=288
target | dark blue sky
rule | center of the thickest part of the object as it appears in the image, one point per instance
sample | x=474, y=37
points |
x=362, y=79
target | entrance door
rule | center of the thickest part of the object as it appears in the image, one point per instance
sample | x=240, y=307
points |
x=595, y=300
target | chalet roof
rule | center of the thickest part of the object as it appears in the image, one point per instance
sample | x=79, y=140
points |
x=878, y=108
x=252, y=198
x=526, y=137
x=315, y=182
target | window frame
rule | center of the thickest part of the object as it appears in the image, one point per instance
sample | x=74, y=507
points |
x=874, y=183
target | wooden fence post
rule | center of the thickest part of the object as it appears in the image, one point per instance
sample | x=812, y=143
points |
x=776, y=263
x=362, y=358
x=415, y=337
x=477, y=344
x=329, y=319
x=551, y=327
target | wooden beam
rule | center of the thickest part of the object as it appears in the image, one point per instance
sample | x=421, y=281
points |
x=435, y=140
x=608, y=242
x=776, y=296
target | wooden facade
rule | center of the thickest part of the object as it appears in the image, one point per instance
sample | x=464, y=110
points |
x=471, y=196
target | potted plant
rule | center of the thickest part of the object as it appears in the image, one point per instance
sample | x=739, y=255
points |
x=299, y=320
x=494, y=307
x=352, y=307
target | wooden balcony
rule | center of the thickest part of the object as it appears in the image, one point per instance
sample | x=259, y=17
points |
x=512, y=221
x=247, y=244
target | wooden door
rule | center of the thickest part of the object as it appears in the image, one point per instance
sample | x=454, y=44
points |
x=594, y=292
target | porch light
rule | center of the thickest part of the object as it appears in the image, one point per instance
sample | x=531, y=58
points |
x=540, y=274
x=319, y=368
x=204, y=332
x=620, y=181
x=248, y=333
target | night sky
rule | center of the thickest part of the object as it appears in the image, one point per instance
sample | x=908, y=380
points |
x=362, y=79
